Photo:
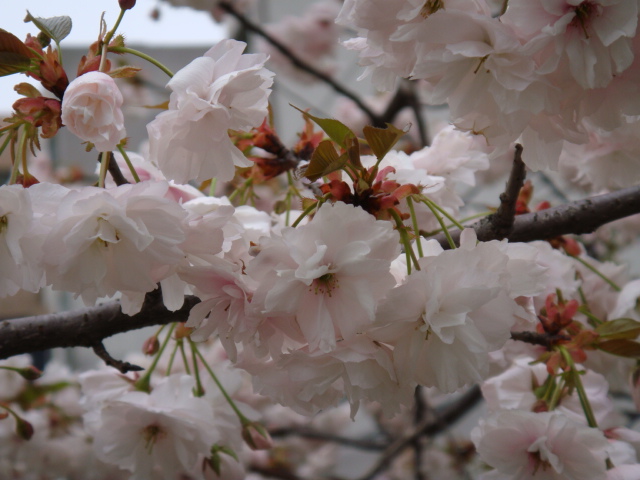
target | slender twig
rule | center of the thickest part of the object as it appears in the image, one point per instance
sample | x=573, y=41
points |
x=447, y=417
x=122, y=366
x=502, y=220
x=312, y=434
x=375, y=119
x=114, y=170
x=534, y=338
x=419, y=414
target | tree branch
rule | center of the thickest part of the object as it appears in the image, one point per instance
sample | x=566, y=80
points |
x=313, y=434
x=446, y=416
x=501, y=222
x=375, y=119
x=582, y=216
x=86, y=327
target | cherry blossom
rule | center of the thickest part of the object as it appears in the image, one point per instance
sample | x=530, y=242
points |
x=548, y=446
x=221, y=90
x=328, y=273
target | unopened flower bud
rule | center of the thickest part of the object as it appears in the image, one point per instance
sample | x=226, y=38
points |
x=23, y=428
x=151, y=345
x=28, y=373
x=126, y=4
x=256, y=436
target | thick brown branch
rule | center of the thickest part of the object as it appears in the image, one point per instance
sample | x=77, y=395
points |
x=582, y=216
x=83, y=328
x=302, y=65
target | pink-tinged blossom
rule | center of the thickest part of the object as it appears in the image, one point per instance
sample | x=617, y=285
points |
x=156, y=435
x=309, y=381
x=445, y=318
x=329, y=274
x=91, y=110
x=514, y=390
x=221, y=90
x=105, y=241
x=16, y=217
x=609, y=160
x=223, y=309
x=592, y=37
x=540, y=446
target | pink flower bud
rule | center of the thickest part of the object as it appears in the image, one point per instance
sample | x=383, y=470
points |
x=151, y=345
x=91, y=110
x=256, y=436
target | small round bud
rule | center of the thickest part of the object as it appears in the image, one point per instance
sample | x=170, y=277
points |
x=127, y=4
x=256, y=436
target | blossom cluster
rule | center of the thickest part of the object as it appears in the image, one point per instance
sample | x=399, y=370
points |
x=316, y=277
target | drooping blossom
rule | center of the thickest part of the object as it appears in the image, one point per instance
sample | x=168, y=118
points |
x=221, y=90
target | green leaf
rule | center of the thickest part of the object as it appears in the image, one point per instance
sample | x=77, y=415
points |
x=620, y=328
x=335, y=130
x=381, y=140
x=324, y=160
x=56, y=28
x=621, y=348
x=15, y=56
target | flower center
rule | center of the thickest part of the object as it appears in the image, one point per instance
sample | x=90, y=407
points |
x=325, y=284
x=430, y=7
x=584, y=12
x=151, y=434
x=4, y=222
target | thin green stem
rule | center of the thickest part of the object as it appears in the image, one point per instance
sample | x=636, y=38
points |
x=599, y=273
x=241, y=189
x=431, y=206
x=129, y=164
x=172, y=359
x=244, y=420
x=22, y=143
x=107, y=39
x=463, y=220
x=144, y=383
x=446, y=214
x=577, y=381
x=144, y=56
x=406, y=241
x=184, y=356
x=199, y=388
x=104, y=166
x=212, y=187
x=306, y=212
x=414, y=223
x=556, y=393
